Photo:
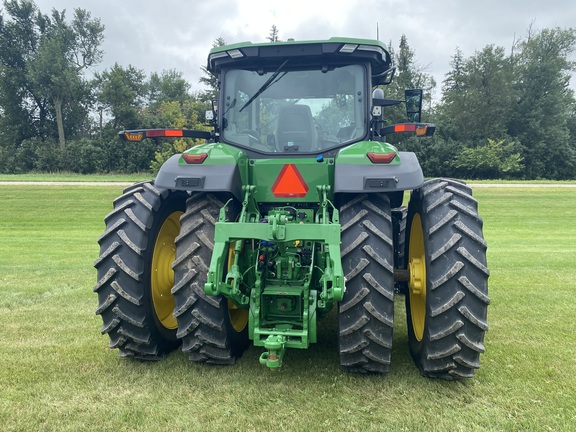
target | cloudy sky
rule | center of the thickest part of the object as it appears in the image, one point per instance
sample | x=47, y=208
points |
x=156, y=35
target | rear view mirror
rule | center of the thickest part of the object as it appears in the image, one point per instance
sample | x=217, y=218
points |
x=413, y=104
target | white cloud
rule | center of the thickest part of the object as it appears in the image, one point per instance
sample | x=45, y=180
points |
x=173, y=34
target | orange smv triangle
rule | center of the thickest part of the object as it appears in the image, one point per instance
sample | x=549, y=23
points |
x=289, y=183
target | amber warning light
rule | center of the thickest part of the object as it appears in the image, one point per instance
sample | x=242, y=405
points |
x=131, y=136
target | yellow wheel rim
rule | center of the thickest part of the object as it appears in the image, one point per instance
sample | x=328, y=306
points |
x=162, y=277
x=417, y=281
x=238, y=316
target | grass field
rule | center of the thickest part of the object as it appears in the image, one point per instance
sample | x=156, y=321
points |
x=72, y=177
x=57, y=373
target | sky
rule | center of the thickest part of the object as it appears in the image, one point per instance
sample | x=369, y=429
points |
x=157, y=35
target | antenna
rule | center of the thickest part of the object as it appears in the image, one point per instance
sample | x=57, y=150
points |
x=377, y=31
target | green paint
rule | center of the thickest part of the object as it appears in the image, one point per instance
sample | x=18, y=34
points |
x=286, y=267
x=218, y=154
x=264, y=172
x=356, y=153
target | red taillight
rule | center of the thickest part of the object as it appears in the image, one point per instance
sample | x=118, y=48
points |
x=420, y=129
x=155, y=133
x=381, y=158
x=194, y=158
x=406, y=127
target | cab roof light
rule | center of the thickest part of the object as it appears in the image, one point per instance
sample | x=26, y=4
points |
x=218, y=55
x=370, y=48
x=348, y=48
x=235, y=53
x=194, y=159
x=381, y=158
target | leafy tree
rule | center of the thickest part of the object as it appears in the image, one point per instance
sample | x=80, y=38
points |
x=52, y=73
x=455, y=78
x=43, y=58
x=24, y=113
x=544, y=103
x=274, y=34
x=168, y=86
x=477, y=95
x=491, y=160
x=409, y=74
x=522, y=98
x=122, y=91
x=209, y=79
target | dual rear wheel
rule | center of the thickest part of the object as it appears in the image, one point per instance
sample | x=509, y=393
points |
x=440, y=242
x=153, y=254
x=157, y=246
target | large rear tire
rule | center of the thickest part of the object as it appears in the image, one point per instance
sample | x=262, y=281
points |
x=135, y=271
x=212, y=330
x=399, y=230
x=366, y=314
x=447, y=298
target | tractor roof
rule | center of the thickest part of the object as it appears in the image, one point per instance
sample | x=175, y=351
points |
x=272, y=54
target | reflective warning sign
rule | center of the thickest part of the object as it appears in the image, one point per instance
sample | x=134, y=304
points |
x=289, y=183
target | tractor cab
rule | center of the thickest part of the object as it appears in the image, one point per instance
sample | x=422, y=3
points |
x=300, y=97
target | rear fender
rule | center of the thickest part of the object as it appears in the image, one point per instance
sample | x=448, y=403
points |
x=200, y=178
x=366, y=178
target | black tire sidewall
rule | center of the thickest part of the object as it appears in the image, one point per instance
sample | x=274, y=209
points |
x=205, y=343
x=372, y=357
x=456, y=280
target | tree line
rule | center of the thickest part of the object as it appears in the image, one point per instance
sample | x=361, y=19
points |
x=501, y=114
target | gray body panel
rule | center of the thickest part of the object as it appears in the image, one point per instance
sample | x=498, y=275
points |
x=195, y=178
x=379, y=178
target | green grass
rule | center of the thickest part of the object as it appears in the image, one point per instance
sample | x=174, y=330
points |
x=60, y=177
x=548, y=182
x=57, y=373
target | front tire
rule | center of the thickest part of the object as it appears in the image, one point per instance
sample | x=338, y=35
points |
x=366, y=314
x=135, y=271
x=447, y=298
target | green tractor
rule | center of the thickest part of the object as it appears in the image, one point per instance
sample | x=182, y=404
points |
x=291, y=208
